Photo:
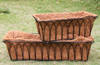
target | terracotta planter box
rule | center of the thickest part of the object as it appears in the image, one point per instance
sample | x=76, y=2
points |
x=64, y=26
x=23, y=46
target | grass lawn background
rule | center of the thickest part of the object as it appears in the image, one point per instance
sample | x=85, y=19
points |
x=18, y=16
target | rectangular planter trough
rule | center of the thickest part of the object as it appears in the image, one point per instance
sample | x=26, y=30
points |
x=24, y=46
x=64, y=26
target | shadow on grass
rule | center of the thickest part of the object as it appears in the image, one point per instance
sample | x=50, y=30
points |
x=5, y=11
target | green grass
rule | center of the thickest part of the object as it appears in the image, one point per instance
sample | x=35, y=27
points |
x=20, y=18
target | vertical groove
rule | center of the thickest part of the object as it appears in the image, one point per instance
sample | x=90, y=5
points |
x=75, y=52
x=73, y=30
x=88, y=49
x=35, y=52
x=90, y=26
x=84, y=29
x=50, y=32
x=87, y=52
x=39, y=28
x=42, y=52
x=79, y=26
x=61, y=51
x=22, y=51
x=55, y=53
x=68, y=49
x=48, y=51
x=15, y=48
x=68, y=32
x=28, y=48
x=9, y=48
x=55, y=32
x=42, y=31
x=61, y=31
x=81, y=53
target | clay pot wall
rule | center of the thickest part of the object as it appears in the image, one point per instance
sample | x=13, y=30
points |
x=52, y=51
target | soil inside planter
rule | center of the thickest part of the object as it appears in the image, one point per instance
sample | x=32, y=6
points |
x=22, y=36
x=62, y=16
x=18, y=35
